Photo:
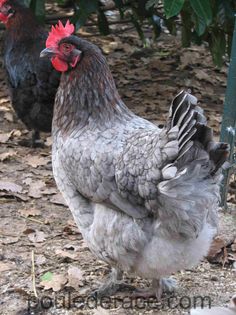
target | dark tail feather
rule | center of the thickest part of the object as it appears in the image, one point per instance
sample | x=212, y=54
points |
x=191, y=122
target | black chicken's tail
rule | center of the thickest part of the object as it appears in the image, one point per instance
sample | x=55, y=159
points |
x=193, y=133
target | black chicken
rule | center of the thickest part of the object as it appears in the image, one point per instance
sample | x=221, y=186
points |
x=32, y=81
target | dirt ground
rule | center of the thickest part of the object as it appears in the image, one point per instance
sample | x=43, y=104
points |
x=42, y=252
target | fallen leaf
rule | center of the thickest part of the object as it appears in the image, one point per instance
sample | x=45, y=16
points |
x=53, y=281
x=40, y=260
x=48, y=142
x=27, y=181
x=188, y=58
x=66, y=254
x=233, y=246
x=49, y=191
x=9, y=116
x=10, y=187
x=28, y=231
x=16, y=133
x=35, y=189
x=71, y=229
x=71, y=247
x=10, y=240
x=36, y=161
x=75, y=277
x=6, y=155
x=4, y=266
x=202, y=75
x=232, y=257
x=29, y=212
x=216, y=247
x=11, y=226
x=37, y=236
x=58, y=200
x=4, y=137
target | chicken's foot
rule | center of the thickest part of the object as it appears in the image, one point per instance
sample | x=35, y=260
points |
x=34, y=142
x=159, y=286
x=113, y=285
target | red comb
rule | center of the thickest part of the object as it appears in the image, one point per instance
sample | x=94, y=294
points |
x=2, y=2
x=58, y=32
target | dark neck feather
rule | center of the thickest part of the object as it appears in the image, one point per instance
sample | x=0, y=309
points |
x=88, y=96
x=23, y=24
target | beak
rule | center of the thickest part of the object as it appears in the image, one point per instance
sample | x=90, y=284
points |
x=77, y=52
x=47, y=52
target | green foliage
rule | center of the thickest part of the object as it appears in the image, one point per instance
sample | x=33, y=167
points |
x=83, y=9
x=172, y=7
x=203, y=10
x=208, y=21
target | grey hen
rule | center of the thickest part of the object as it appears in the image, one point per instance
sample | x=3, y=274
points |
x=145, y=199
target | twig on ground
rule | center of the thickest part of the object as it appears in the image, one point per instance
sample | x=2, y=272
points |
x=33, y=274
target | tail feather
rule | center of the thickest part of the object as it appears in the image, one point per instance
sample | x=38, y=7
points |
x=191, y=122
x=188, y=199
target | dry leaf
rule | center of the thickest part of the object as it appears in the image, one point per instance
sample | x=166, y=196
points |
x=65, y=254
x=29, y=212
x=10, y=240
x=8, y=116
x=188, y=58
x=11, y=226
x=48, y=142
x=202, y=75
x=233, y=246
x=4, y=266
x=4, y=137
x=216, y=247
x=10, y=187
x=58, y=200
x=35, y=189
x=75, y=277
x=16, y=133
x=232, y=257
x=40, y=260
x=6, y=155
x=49, y=191
x=56, y=283
x=35, y=160
x=37, y=236
x=27, y=181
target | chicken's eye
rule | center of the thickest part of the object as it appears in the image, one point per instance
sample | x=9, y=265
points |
x=8, y=9
x=66, y=48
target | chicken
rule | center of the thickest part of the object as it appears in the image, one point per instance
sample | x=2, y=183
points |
x=32, y=81
x=145, y=199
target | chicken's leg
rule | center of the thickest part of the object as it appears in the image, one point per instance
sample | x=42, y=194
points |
x=34, y=142
x=159, y=286
x=113, y=284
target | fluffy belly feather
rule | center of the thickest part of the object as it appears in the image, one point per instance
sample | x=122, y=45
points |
x=142, y=247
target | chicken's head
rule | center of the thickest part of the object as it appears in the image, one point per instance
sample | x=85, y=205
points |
x=6, y=11
x=62, y=47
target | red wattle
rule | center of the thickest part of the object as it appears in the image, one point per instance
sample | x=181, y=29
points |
x=75, y=61
x=59, y=64
x=3, y=18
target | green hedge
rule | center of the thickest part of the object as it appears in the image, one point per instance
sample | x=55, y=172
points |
x=200, y=21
